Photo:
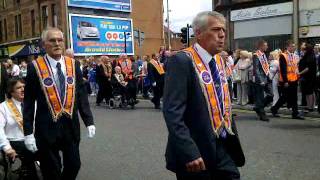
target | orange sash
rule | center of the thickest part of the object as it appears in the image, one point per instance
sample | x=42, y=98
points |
x=50, y=90
x=264, y=62
x=15, y=112
x=219, y=119
x=158, y=67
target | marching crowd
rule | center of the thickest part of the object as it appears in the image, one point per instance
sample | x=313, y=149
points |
x=60, y=86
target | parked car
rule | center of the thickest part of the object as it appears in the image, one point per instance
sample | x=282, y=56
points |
x=87, y=30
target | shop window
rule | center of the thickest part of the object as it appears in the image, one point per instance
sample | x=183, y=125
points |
x=54, y=15
x=44, y=17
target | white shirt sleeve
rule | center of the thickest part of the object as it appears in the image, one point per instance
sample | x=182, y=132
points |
x=4, y=142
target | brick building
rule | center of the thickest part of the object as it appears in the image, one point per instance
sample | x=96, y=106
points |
x=21, y=23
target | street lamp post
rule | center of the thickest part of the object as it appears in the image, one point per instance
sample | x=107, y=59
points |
x=169, y=33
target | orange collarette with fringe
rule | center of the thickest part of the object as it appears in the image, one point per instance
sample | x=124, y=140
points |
x=15, y=112
x=219, y=118
x=49, y=87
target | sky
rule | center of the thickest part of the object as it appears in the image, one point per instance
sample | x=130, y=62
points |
x=183, y=11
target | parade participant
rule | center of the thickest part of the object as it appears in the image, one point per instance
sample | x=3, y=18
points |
x=262, y=83
x=11, y=129
x=103, y=76
x=54, y=82
x=3, y=82
x=202, y=141
x=156, y=76
x=70, y=53
x=288, y=81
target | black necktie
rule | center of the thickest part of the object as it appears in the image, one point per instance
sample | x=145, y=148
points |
x=217, y=81
x=61, y=83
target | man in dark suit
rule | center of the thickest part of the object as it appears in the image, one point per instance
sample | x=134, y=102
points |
x=156, y=76
x=203, y=142
x=262, y=82
x=55, y=83
x=3, y=83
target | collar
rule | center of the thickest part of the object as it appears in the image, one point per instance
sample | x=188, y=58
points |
x=205, y=56
x=16, y=102
x=53, y=62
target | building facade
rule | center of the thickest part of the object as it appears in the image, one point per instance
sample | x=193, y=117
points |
x=22, y=21
x=251, y=20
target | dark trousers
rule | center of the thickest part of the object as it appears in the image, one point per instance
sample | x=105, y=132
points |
x=288, y=95
x=27, y=160
x=105, y=92
x=157, y=93
x=205, y=175
x=261, y=101
x=50, y=161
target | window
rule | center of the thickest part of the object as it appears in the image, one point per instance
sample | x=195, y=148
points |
x=1, y=36
x=54, y=15
x=4, y=4
x=33, y=23
x=18, y=26
x=5, y=29
x=44, y=17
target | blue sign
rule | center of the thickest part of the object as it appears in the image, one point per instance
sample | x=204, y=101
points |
x=114, y=5
x=98, y=35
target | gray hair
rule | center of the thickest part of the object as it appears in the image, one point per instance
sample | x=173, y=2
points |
x=69, y=51
x=44, y=34
x=200, y=22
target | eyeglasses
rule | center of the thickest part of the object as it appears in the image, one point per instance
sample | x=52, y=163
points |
x=56, y=40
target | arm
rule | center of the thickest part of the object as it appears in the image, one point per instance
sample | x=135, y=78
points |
x=82, y=98
x=177, y=83
x=4, y=142
x=32, y=83
x=256, y=72
x=283, y=68
x=150, y=72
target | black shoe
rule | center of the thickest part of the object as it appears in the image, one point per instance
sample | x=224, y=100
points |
x=157, y=106
x=274, y=112
x=298, y=117
x=263, y=117
x=97, y=104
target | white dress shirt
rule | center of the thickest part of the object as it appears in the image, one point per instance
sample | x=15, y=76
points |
x=205, y=56
x=53, y=65
x=9, y=128
x=15, y=70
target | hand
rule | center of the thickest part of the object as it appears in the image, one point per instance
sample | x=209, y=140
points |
x=30, y=143
x=91, y=131
x=154, y=84
x=262, y=84
x=196, y=165
x=286, y=84
x=11, y=153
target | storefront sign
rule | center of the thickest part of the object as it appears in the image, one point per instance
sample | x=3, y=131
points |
x=99, y=35
x=114, y=5
x=262, y=11
x=309, y=17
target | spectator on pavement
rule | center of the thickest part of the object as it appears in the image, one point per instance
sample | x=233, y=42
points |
x=242, y=70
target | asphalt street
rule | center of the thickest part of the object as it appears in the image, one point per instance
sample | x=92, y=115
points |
x=130, y=145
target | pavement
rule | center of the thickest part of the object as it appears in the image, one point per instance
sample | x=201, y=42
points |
x=130, y=145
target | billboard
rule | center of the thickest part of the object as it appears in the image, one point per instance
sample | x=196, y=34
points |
x=99, y=35
x=114, y=5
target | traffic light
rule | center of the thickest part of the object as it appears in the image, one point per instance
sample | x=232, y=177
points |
x=184, y=35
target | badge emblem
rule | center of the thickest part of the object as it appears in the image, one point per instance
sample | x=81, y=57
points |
x=48, y=82
x=206, y=77
x=70, y=80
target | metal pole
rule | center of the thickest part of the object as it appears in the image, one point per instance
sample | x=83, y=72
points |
x=125, y=42
x=169, y=33
x=188, y=40
x=295, y=25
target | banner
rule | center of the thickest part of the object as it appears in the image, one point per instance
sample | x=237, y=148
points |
x=99, y=35
x=114, y=5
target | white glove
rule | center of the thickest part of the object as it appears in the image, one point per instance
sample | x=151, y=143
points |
x=91, y=131
x=154, y=84
x=30, y=143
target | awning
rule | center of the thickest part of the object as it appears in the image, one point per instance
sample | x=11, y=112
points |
x=25, y=50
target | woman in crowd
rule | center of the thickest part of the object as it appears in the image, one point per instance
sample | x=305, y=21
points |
x=11, y=129
x=307, y=72
x=242, y=70
x=274, y=74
